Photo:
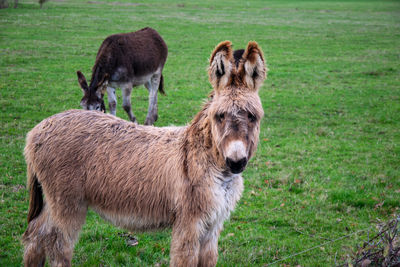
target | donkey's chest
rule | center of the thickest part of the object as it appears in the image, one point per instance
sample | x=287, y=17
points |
x=225, y=195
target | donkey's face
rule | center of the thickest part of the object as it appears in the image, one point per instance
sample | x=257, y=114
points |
x=92, y=97
x=236, y=110
x=236, y=127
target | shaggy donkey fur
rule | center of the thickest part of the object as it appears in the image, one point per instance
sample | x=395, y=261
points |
x=143, y=177
x=126, y=60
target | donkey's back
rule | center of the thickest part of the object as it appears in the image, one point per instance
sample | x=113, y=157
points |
x=132, y=55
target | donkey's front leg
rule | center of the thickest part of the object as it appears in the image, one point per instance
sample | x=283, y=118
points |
x=208, y=254
x=112, y=100
x=185, y=244
x=152, y=86
x=126, y=102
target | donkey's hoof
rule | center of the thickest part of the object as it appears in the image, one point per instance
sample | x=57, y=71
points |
x=151, y=120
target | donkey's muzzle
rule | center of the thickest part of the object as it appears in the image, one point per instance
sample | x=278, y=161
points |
x=236, y=166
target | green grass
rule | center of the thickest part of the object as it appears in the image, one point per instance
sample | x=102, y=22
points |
x=328, y=162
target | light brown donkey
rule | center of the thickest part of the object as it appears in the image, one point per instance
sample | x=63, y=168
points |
x=143, y=177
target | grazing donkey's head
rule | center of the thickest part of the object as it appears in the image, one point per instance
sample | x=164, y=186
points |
x=93, y=95
x=235, y=110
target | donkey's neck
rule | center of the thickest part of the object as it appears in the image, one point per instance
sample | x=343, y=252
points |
x=201, y=155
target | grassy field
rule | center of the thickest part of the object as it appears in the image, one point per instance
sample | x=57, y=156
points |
x=328, y=162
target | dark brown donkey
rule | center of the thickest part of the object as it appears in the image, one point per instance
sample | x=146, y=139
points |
x=124, y=61
x=143, y=177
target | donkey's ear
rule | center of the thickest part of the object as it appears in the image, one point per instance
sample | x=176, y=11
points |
x=220, y=65
x=255, y=70
x=82, y=81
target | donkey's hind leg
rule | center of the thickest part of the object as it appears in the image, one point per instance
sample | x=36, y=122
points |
x=64, y=233
x=152, y=86
x=34, y=240
x=34, y=254
x=54, y=238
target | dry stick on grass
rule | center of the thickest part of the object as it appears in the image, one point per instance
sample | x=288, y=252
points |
x=381, y=250
x=387, y=254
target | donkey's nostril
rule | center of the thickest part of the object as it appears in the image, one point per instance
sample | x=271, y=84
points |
x=236, y=166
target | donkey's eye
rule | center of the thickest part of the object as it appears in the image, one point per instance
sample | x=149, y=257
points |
x=220, y=117
x=251, y=117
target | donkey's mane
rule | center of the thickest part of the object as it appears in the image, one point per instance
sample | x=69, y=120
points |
x=198, y=138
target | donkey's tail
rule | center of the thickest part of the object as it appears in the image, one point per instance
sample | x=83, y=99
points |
x=161, y=86
x=35, y=196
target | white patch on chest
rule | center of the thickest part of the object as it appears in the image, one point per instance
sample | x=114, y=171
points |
x=226, y=191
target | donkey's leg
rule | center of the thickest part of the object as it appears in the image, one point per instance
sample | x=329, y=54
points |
x=64, y=232
x=208, y=254
x=33, y=239
x=126, y=104
x=185, y=244
x=152, y=86
x=53, y=236
x=112, y=100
